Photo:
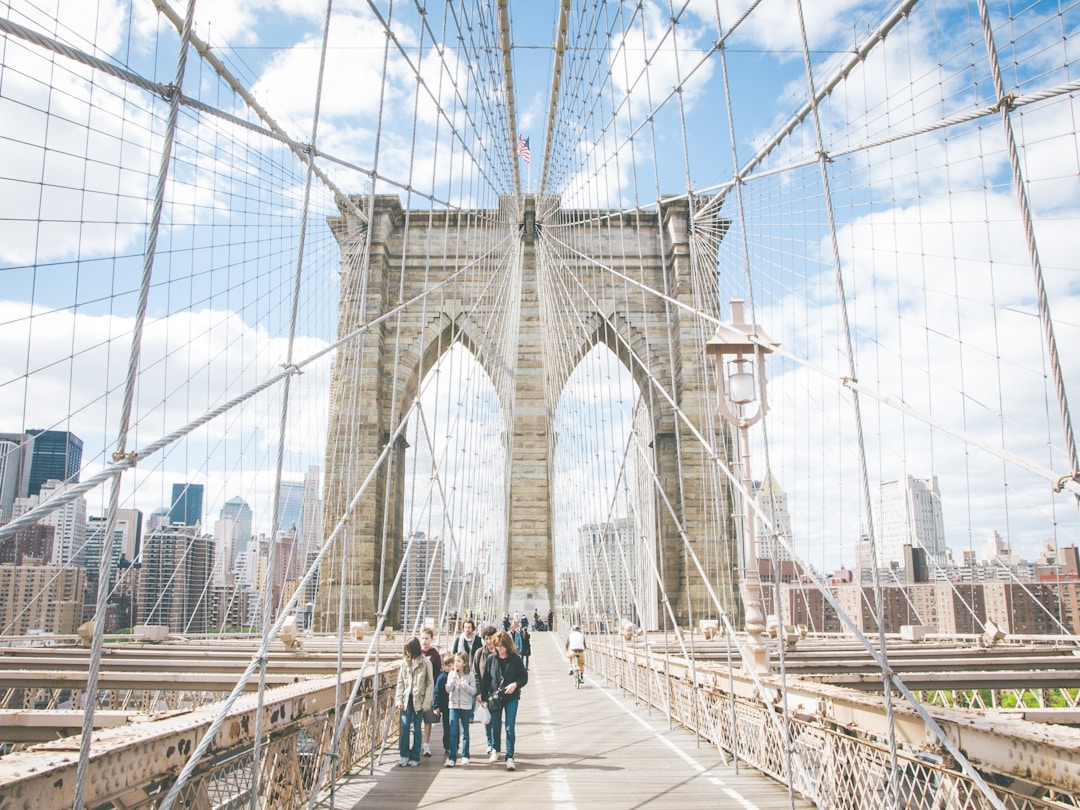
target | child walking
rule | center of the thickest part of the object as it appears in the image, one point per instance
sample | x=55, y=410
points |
x=461, y=687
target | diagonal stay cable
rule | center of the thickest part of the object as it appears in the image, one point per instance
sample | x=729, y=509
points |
x=130, y=459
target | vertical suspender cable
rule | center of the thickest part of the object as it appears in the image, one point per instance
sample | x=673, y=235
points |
x=105, y=564
x=271, y=559
x=1005, y=106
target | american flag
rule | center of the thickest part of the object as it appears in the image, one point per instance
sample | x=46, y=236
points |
x=523, y=148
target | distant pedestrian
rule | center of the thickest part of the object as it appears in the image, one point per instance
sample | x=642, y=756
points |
x=461, y=688
x=415, y=687
x=500, y=690
x=526, y=645
x=551, y=620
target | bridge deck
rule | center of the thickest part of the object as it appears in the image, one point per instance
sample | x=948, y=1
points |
x=576, y=748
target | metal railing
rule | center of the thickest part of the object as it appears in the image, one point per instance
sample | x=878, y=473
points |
x=830, y=765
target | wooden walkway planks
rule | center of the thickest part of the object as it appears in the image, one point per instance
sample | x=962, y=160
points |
x=576, y=748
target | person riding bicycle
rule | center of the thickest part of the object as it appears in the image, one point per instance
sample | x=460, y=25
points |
x=575, y=651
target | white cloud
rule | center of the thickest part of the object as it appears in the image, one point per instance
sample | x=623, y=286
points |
x=67, y=370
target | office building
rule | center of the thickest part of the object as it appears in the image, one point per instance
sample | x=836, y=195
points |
x=610, y=571
x=174, y=582
x=39, y=597
x=34, y=541
x=311, y=513
x=56, y=455
x=14, y=471
x=290, y=505
x=237, y=510
x=186, y=506
x=422, y=582
x=773, y=505
x=908, y=512
x=68, y=522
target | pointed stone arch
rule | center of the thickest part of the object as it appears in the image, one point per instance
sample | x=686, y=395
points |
x=397, y=255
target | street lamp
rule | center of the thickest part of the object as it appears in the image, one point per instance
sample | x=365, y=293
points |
x=740, y=350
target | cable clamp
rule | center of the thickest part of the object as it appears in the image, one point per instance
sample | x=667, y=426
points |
x=292, y=368
x=1006, y=102
x=120, y=455
x=1060, y=485
x=849, y=381
x=168, y=91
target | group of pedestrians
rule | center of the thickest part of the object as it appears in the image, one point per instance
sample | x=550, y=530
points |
x=484, y=672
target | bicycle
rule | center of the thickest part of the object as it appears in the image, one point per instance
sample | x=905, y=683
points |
x=577, y=669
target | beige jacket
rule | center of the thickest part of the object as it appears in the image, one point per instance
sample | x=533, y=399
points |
x=418, y=680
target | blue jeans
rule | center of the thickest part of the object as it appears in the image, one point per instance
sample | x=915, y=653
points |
x=509, y=709
x=411, y=719
x=459, y=727
x=488, y=727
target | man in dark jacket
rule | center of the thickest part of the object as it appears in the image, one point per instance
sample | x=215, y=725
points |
x=500, y=689
x=469, y=641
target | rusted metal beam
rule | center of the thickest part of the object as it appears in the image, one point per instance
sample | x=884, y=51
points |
x=126, y=760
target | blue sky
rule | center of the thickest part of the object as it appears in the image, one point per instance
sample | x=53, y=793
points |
x=938, y=277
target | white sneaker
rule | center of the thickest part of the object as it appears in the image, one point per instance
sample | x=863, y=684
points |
x=404, y=761
x=510, y=765
x=449, y=763
x=464, y=760
x=489, y=750
x=427, y=750
x=493, y=757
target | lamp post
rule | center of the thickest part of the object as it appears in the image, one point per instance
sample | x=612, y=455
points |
x=740, y=350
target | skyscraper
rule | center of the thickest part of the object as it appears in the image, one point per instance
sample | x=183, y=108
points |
x=908, y=512
x=176, y=574
x=57, y=454
x=772, y=501
x=290, y=505
x=311, y=513
x=69, y=522
x=186, y=504
x=420, y=597
x=11, y=463
x=237, y=510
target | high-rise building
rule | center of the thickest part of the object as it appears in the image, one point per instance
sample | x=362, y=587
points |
x=68, y=522
x=908, y=512
x=43, y=598
x=609, y=570
x=186, y=506
x=422, y=581
x=237, y=510
x=772, y=501
x=290, y=504
x=14, y=471
x=174, y=582
x=57, y=455
x=225, y=538
x=311, y=513
x=34, y=541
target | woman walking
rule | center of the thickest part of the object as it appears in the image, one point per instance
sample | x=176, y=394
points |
x=500, y=690
x=461, y=687
x=415, y=687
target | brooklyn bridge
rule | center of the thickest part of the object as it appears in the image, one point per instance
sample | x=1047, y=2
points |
x=730, y=332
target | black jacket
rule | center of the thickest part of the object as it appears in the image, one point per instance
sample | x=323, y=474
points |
x=501, y=672
x=469, y=648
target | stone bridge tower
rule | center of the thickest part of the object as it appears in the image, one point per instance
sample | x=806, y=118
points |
x=534, y=257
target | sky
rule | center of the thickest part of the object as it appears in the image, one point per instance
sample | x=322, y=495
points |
x=942, y=308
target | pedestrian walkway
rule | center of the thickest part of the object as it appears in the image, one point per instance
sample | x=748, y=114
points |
x=576, y=748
